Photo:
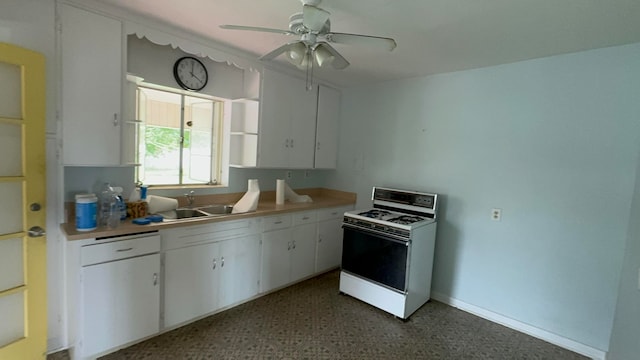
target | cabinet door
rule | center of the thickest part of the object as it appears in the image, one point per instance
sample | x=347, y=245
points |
x=275, y=120
x=276, y=248
x=303, y=125
x=329, y=252
x=240, y=269
x=303, y=251
x=190, y=281
x=121, y=302
x=92, y=74
x=327, y=128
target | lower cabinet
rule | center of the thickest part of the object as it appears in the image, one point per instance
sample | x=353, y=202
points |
x=287, y=251
x=127, y=288
x=329, y=245
x=120, y=297
x=203, y=278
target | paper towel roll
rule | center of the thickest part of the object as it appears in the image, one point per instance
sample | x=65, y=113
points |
x=248, y=202
x=279, y=192
x=160, y=203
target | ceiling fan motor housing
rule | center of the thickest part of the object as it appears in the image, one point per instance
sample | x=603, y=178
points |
x=311, y=2
x=296, y=25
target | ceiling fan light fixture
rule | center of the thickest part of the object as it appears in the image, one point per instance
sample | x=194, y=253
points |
x=297, y=53
x=323, y=56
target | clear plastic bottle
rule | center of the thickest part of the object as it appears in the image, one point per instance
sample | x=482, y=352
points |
x=122, y=205
x=109, y=210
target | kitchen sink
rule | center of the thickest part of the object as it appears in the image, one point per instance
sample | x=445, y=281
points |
x=216, y=209
x=200, y=211
x=183, y=213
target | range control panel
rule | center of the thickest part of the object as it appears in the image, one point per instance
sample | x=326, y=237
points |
x=423, y=200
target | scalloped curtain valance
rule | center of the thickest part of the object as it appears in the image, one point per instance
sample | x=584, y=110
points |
x=189, y=46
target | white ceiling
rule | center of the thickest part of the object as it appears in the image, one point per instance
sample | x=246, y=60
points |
x=433, y=36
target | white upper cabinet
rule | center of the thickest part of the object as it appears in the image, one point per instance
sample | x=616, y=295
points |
x=326, y=152
x=287, y=122
x=91, y=55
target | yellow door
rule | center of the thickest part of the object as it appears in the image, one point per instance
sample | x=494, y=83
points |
x=23, y=315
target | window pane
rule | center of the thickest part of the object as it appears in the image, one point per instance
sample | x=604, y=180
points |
x=197, y=151
x=12, y=315
x=160, y=151
x=10, y=100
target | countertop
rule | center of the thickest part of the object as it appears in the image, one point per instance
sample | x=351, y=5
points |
x=322, y=198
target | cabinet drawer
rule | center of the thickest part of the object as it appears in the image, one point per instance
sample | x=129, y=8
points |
x=277, y=222
x=304, y=217
x=200, y=234
x=99, y=253
x=333, y=213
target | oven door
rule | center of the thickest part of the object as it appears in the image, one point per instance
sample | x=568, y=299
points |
x=377, y=257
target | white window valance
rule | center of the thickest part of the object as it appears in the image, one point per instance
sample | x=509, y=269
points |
x=191, y=46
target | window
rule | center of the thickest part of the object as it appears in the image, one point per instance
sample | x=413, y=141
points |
x=180, y=138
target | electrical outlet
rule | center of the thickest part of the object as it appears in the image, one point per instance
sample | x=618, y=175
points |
x=307, y=174
x=496, y=214
x=288, y=174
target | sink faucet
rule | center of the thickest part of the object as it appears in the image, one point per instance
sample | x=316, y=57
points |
x=190, y=197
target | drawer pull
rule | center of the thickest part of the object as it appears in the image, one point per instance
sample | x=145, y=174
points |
x=278, y=222
x=305, y=218
x=123, y=250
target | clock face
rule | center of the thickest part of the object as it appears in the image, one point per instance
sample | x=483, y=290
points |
x=190, y=73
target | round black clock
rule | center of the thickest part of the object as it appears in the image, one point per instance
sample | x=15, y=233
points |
x=190, y=73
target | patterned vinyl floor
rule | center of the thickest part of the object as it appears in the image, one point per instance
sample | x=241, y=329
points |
x=311, y=320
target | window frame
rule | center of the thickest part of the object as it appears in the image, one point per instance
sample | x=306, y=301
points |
x=219, y=140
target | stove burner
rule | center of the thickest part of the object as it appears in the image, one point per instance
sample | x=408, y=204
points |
x=405, y=219
x=375, y=214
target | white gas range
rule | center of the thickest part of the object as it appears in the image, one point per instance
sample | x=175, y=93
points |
x=387, y=255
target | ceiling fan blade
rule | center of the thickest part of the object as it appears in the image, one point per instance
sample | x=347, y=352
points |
x=365, y=40
x=254, y=28
x=314, y=18
x=339, y=62
x=277, y=52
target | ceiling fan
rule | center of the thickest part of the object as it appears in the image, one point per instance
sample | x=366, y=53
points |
x=313, y=27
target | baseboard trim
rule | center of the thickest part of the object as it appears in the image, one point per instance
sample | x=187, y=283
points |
x=541, y=334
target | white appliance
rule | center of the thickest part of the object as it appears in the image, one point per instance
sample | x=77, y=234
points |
x=387, y=254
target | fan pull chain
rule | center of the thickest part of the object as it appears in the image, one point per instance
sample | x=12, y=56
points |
x=309, y=75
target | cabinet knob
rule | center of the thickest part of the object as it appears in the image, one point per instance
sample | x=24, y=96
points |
x=318, y=146
x=222, y=262
x=291, y=142
x=294, y=244
x=214, y=264
x=155, y=279
x=289, y=245
x=115, y=119
x=286, y=143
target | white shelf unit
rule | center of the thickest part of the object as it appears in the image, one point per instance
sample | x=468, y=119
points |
x=244, y=132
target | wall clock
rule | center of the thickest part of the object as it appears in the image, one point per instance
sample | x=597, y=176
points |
x=190, y=73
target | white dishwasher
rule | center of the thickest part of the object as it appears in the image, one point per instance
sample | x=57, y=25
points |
x=120, y=291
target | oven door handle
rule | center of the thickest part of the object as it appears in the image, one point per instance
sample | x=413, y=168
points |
x=386, y=236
